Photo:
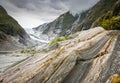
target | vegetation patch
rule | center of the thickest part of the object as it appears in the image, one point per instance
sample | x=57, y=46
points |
x=29, y=51
x=2, y=36
x=55, y=43
x=116, y=80
x=111, y=23
x=56, y=40
x=111, y=20
x=8, y=25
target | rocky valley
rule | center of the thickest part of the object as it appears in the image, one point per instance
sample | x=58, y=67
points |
x=80, y=48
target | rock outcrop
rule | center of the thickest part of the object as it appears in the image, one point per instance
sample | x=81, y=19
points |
x=92, y=56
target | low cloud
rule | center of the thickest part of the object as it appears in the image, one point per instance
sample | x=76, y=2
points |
x=31, y=13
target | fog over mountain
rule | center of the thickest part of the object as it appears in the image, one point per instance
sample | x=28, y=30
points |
x=31, y=13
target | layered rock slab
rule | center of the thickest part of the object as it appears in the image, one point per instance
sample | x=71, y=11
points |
x=74, y=61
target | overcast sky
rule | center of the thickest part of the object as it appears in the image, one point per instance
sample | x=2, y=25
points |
x=32, y=13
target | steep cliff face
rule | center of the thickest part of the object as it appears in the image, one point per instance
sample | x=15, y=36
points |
x=59, y=27
x=91, y=56
x=9, y=25
x=94, y=14
x=111, y=19
x=12, y=35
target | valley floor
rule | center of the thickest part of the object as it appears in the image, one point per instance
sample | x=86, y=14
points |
x=10, y=58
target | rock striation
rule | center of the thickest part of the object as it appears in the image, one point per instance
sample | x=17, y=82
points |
x=91, y=56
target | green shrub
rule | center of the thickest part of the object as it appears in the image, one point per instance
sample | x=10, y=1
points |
x=54, y=41
x=22, y=51
x=28, y=51
x=112, y=23
x=78, y=40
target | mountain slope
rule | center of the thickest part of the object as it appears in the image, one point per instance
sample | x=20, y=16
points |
x=11, y=26
x=59, y=27
x=93, y=17
x=111, y=19
x=12, y=35
x=96, y=12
